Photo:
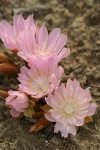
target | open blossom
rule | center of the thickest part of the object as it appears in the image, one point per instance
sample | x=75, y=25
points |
x=31, y=41
x=42, y=78
x=17, y=102
x=70, y=105
x=9, y=33
x=45, y=44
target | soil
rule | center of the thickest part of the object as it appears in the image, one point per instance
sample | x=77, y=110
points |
x=80, y=20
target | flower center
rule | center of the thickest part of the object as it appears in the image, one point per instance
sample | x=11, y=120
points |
x=40, y=85
x=69, y=108
x=42, y=51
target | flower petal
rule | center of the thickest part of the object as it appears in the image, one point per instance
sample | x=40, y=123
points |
x=60, y=43
x=92, y=109
x=72, y=120
x=42, y=36
x=65, y=52
x=49, y=117
x=14, y=113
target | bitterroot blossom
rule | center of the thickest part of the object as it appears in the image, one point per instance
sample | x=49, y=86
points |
x=40, y=94
x=45, y=44
x=31, y=40
x=9, y=33
x=41, y=79
x=18, y=102
x=70, y=105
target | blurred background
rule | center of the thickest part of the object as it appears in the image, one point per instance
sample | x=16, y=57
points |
x=80, y=21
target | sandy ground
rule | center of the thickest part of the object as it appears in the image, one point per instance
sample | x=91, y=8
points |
x=80, y=20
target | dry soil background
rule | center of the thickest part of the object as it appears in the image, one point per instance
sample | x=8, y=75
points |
x=80, y=20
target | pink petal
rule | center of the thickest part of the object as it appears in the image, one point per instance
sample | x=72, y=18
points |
x=65, y=52
x=69, y=83
x=58, y=127
x=18, y=23
x=92, y=109
x=84, y=104
x=64, y=129
x=72, y=120
x=75, y=84
x=79, y=122
x=49, y=117
x=5, y=28
x=61, y=71
x=43, y=36
x=52, y=101
x=76, y=91
x=55, y=114
x=6, y=35
x=14, y=113
x=60, y=43
x=25, y=44
x=21, y=45
x=54, y=33
x=57, y=98
x=52, y=38
x=82, y=114
x=86, y=94
x=60, y=93
x=71, y=129
x=48, y=100
x=29, y=22
x=69, y=92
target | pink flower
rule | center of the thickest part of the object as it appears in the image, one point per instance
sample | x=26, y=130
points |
x=45, y=45
x=9, y=33
x=70, y=105
x=17, y=101
x=41, y=79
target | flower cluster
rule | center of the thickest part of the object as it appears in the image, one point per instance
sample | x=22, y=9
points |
x=40, y=92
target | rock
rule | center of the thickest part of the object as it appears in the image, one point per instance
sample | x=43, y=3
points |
x=89, y=2
x=38, y=11
x=93, y=17
x=78, y=22
x=67, y=13
x=98, y=42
